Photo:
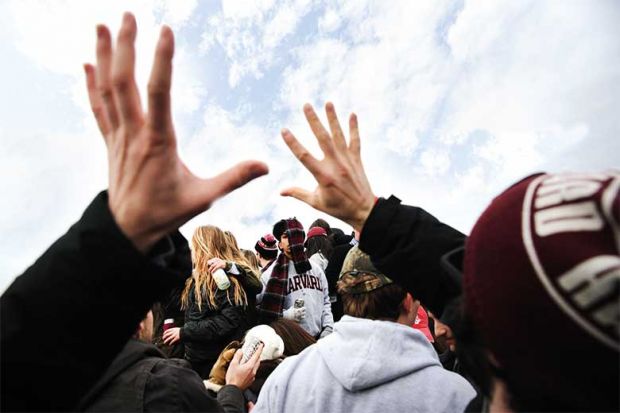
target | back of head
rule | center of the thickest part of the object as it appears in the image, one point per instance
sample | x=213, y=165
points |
x=251, y=259
x=211, y=242
x=366, y=292
x=317, y=241
x=321, y=223
x=542, y=285
x=295, y=338
x=267, y=247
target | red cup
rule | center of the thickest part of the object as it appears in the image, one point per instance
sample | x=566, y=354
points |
x=168, y=323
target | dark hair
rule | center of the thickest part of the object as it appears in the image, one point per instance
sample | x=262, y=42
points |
x=295, y=338
x=279, y=228
x=323, y=224
x=319, y=244
x=384, y=303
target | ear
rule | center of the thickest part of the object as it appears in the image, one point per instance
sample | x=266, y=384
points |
x=410, y=304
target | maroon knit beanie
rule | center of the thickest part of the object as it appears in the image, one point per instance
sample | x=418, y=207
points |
x=542, y=286
x=267, y=247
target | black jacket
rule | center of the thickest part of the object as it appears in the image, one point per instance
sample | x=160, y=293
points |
x=332, y=273
x=207, y=330
x=67, y=317
x=407, y=244
x=141, y=379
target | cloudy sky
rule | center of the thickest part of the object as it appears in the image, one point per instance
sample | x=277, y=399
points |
x=456, y=100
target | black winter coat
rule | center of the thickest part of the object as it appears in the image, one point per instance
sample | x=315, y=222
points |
x=69, y=315
x=207, y=331
x=141, y=379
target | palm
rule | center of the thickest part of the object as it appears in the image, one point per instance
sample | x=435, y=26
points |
x=151, y=191
x=343, y=190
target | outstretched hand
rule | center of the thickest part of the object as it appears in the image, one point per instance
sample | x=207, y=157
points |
x=343, y=190
x=151, y=192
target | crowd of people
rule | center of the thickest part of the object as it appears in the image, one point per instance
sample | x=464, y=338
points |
x=406, y=313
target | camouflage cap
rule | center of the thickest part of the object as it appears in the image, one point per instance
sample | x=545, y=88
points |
x=359, y=275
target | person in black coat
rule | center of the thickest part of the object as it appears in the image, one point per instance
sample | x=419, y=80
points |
x=142, y=379
x=100, y=273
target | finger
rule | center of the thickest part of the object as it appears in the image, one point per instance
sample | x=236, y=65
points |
x=96, y=103
x=300, y=194
x=237, y=357
x=159, y=115
x=354, y=137
x=231, y=179
x=255, y=359
x=334, y=126
x=301, y=153
x=126, y=94
x=319, y=131
x=104, y=68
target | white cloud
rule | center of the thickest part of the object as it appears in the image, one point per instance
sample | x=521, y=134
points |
x=455, y=100
x=250, y=32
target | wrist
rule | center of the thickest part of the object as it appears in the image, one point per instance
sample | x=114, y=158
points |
x=363, y=212
x=141, y=239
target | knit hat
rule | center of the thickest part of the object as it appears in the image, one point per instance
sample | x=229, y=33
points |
x=359, y=275
x=542, y=286
x=316, y=232
x=267, y=246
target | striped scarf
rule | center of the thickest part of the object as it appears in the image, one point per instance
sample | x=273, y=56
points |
x=277, y=286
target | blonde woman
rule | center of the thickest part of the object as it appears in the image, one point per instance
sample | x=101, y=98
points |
x=213, y=317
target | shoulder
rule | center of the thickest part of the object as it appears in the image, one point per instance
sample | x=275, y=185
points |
x=172, y=386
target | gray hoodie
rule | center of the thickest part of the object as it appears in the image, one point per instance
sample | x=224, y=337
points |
x=365, y=366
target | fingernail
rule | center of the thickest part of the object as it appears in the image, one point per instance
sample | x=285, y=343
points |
x=100, y=30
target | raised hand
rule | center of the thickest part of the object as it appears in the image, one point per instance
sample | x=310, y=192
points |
x=343, y=190
x=151, y=192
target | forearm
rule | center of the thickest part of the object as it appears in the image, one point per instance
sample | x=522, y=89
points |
x=93, y=276
x=407, y=243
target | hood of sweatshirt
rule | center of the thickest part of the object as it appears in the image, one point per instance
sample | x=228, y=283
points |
x=363, y=353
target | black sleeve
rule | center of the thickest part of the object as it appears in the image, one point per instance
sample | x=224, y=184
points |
x=65, y=319
x=407, y=243
x=231, y=399
x=175, y=388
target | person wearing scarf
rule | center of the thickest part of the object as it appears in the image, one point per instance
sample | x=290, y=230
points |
x=293, y=278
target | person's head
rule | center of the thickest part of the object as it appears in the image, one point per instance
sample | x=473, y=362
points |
x=145, y=328
x=295, y=338
x=444, y=337
x=316, y=241
x=267, y=247
x=251, y=259
x=542, y=291
x=231, y=241
x=321, y=223
x=368, y=293
x=290, y=235
x=211, y=242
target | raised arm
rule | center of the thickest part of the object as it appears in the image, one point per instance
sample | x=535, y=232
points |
x=69, y=314
x=405, y=242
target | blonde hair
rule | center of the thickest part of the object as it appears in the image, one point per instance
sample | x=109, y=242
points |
x=211, y=242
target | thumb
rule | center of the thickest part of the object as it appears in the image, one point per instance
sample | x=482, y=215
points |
x=300, y=194
x=232, y=178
